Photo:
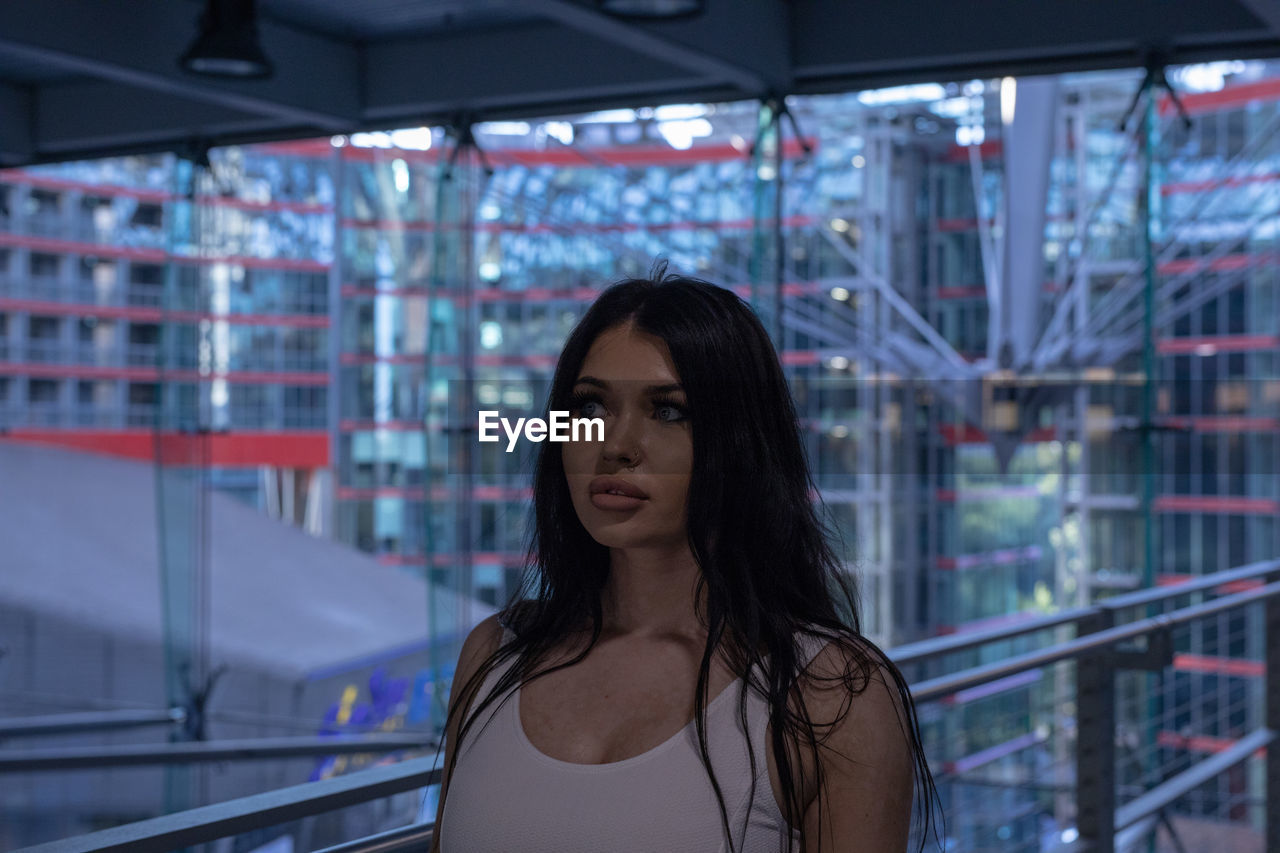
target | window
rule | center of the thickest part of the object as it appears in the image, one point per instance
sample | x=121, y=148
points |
x=147, y=215
x=146, y=274
x=42, y=328
x=42, y=265
x=143, y=393
x=42, y=204
x=42, y=391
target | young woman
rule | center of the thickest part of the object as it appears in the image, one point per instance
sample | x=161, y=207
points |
x=685, y=670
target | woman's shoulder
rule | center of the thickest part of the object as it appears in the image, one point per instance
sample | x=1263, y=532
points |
x=480, y=644
x=846, y=657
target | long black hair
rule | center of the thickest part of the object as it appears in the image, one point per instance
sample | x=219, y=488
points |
x=767, y=569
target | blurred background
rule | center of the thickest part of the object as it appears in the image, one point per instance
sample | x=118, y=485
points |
x=1032, y=326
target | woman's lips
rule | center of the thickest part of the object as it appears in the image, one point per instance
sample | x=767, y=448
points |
x=615, y=502
x=616, y=494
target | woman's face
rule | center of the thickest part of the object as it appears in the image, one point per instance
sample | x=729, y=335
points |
x=631, y=490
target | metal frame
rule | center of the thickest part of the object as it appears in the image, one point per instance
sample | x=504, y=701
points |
x=109, y=83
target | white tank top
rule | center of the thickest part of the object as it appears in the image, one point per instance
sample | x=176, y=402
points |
x=505, y=795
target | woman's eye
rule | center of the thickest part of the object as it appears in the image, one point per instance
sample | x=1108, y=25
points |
x=585, y=406
x=670, y=412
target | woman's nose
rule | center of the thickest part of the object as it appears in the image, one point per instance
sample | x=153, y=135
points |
x=622, y=440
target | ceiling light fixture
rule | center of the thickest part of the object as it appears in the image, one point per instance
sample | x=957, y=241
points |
x=652, y=8
x=227, y=44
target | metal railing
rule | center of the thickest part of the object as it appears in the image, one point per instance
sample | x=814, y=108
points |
x=1097, y=650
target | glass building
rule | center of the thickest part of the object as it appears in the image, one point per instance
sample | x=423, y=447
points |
x=333, y=312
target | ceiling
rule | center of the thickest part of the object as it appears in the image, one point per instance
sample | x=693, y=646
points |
x=83, y=78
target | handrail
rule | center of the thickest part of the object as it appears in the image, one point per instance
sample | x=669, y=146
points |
x=199, y=825
x=938, y=646
x=61, y=724
x=416, y=836
x=936, y=688
x=196, y=752
x=274, y=807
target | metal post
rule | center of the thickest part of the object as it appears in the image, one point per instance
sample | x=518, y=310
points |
x=1272, y=710
x=1095, y=742
x=1148, y=211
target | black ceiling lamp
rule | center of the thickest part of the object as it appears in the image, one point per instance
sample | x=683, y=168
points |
x=227, y=44
x=652, y=9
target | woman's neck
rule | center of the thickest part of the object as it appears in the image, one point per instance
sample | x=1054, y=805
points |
x=651, y=593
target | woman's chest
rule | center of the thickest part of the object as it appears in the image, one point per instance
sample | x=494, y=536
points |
x=602, y=715
x=603, y=712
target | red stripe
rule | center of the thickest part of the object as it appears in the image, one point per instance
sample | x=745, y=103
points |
x=954, y=434
x=156, y=315
x=988, y=150
x=155, y=256
x=1224, y=423
x=390, y=426
x=300, y=449
x=152, y=374
x=1238, y=261
x=418, y=493
x=540, y=294
x=968, y=292
x=1200, y=743
x=1220, y=343
x=1225, y=504
x=298, y=148
x=793, y=221
x=1173, y=579
x=1229, y=96
x=19, y=176
x=1216, y=183
x=570, y=157
x=504, y=558
x=1219, y=665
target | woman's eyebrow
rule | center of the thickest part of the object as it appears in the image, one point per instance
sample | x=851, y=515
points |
x=651, y=389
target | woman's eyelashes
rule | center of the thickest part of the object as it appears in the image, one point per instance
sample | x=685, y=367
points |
x=586, y=404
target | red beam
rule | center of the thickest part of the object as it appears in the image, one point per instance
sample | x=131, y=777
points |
x=19, y=176
x=1230, y=96
x=418, y=493
x=1224, y=423
x=155, y=256
x=954, y=434
x=1211, y=345
x=581, y=157
x=1173, y=579
x=45, y=182
x=153, y=374
x=300, y=449
x=1216, y=183
x=427, y=226
x=968, y=292
x=1215, y=504
x=1201, y=743
x=988, y=150
x=1237, y=261
x=143, y=314
x=1219, y=665
x=511, y=559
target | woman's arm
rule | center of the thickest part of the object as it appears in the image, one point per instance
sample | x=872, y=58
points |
x=483, y=641
x=867, y=765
